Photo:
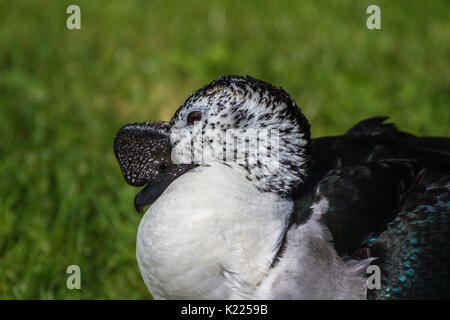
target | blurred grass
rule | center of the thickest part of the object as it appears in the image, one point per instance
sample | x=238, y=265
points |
x=64, y=94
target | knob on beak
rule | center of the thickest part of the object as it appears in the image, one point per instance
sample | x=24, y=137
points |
x=143, y=151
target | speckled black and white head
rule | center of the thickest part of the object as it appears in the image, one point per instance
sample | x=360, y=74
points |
x=246, y=123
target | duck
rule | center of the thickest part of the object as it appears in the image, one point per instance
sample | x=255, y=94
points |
x=244, y=204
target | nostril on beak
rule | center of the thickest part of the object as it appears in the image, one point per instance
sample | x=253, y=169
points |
x=163, y=167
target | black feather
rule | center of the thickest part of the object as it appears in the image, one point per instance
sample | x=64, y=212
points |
x=389, y=198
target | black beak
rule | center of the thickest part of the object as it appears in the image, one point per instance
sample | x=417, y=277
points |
x=150, y=193
x=143, y=151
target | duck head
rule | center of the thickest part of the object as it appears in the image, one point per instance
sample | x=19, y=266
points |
x=243, y=122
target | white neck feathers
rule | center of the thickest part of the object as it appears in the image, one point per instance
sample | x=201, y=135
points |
x=211, y=234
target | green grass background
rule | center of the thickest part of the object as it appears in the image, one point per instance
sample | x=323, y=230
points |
x=64, y=94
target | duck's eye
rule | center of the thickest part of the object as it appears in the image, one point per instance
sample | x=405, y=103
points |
x=194, y=116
